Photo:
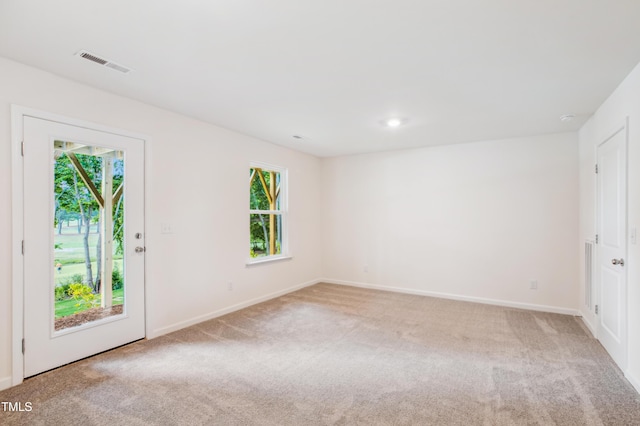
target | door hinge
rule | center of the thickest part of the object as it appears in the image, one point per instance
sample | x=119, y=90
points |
x=596, y=238
x=596, y=309
x=22, y=246
x=596, y=168
x=22, y=346
x=22, y=148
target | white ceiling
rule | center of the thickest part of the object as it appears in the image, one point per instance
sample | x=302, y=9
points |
x=332, y=70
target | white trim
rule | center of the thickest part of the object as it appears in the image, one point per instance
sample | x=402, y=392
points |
x=145, y=232
x=267, y=166
x=17, y=199
x=5, y=383
x=634, y=382
x=266, y=259
x=497, y=302
x=220, y=312
x=591, y=327
x=285, y=249
x=17, y=211
x=44, y=115
x=83, y=327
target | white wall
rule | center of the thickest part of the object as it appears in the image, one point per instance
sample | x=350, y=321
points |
x=623, y=103
x=475, y=221
x=198, y=182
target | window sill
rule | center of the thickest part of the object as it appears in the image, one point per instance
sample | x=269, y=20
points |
x=269, y=259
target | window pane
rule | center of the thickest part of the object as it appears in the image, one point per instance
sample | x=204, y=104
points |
x=264, y=190
x=265, y=235
x=85, y=255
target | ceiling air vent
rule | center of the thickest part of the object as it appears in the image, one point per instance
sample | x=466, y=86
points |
x=104, y=62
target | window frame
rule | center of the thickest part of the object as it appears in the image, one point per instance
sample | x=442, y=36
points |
x=283, y=200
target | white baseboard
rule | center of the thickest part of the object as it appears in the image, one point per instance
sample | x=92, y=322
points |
x=497, y=302
x=201, y=318
x=5, y=383
x=591, y=327
x=635, y=382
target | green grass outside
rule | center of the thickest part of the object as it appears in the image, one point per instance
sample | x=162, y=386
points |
x=64, y=308
x=70, y=256
x=72, y=247
x=68, y=271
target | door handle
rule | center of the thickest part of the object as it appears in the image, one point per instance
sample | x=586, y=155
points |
x=617, y=262
x=140, y=249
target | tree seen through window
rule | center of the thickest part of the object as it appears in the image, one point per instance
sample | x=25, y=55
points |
x=266, y=212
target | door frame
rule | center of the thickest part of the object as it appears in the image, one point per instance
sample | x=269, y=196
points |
x=17, y=210
x=624, y=128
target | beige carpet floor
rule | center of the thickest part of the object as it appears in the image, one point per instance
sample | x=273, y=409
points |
x=332, y=354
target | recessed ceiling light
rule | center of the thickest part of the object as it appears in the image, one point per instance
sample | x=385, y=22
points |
x=567, y=117
x=393, y=122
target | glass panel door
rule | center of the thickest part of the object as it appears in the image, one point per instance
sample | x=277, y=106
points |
x=88, y=231
x=84, y=247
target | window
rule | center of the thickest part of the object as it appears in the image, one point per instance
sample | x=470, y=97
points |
x=267, y=212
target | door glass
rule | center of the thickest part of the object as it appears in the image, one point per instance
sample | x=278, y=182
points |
x=88, y=231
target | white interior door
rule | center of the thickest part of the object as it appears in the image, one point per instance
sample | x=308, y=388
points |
x=51, y=253
x=612, y=245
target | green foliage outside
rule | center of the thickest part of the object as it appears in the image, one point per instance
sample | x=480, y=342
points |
x=60, y=291
x=74, y=202
x=66, y=307
x=117, y=281
x=69, y=255
x=83, y=296
x=78, y=244
x=72, y=297
x=259, y=227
